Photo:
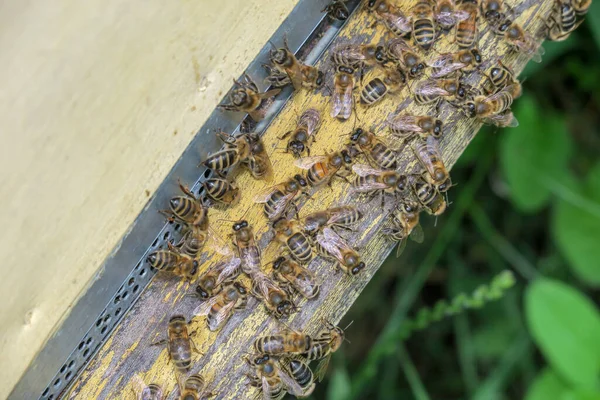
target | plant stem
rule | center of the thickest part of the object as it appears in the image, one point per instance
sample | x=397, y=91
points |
x=412, y=376
x=502, y=246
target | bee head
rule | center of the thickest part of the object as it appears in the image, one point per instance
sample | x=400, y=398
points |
x=476, y=56
x=240, y=288
x=301, y=181
x=470, y=109
x=354, y=136
x=239, y=98
x=238, y=226
x=320, y=79
x=296, y=147
x=356, y=269
x=277, y=263
x=437, y=128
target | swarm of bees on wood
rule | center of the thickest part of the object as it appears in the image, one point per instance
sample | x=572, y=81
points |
x=280, y=363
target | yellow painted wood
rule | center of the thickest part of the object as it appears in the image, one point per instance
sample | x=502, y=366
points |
x=99, y=98
x=129, y=350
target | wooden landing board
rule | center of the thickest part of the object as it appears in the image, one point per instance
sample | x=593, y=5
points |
x=99, y=99
x=129, y=350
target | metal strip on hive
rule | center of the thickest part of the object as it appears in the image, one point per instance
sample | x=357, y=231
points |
x=124, y=274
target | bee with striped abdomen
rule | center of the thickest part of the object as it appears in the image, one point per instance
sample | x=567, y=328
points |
x=278, y=199
x=405, y=224
x=358, y=55
x=498, y=77
x=467, y=33
x=493, y=11
x=376, y=89
x=427, y=195
x=429, y=155
x=406, y=126
x=146, y=392
x=246, y=97
x=194, y=388
x=374, y=181
x=436, y=90
x=447, y=15
x=333, y=246
x=519, y=40
x=187, y=209
x=286, y=270
x=322, y=169
x=335, y=217
x=562, y=21
x=390, y=16
x=258, y=160
x=276, y=377
x=304, y=133
x=246, y=247
x=342, y=100
x=286, y=342
x=276, y=300
x=327, y=341
x=175, y=261
x=222, y=191
x=406, y=57
x=299, y=74
x=377, y=152
x=290, y=235
x=484, y=107
x=221, y=306
x=461, y=61
x=424, y=28
x=210, y=281
x=179, y=344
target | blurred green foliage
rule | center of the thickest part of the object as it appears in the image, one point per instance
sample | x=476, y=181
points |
x=527, y=202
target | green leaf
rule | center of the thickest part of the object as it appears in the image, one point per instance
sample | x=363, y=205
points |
x=547, y=385
x=537, y=149
x=566, y=326
x=580, y=395
x=339, y=385
x=576, y=227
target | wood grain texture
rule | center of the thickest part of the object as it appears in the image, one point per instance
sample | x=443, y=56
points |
x=99, y=99
x=128, y=351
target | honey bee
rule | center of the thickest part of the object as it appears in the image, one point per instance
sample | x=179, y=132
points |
x=179, y=344
x=220, y=308
x=276, y=300
x=376, y=151
x=427, y=195
x=331, y=245
x=298, y=73
x=390, y=16
x=376, y=89
x=336, y=218
x=194, y=389
x=519, y=40
x=325, y=343
x=287, y=342
x=342, y=99
x=187, y=209
x=246, y=97
x=436, y=90
x=505, y=119
x=371, y=180
x=210, y=282
x=237, y=149
x=358, y=55
x=406, y=224
x=147, y=392
x=222, y=191
x=486, y=106
x=304, y=134
x=405, y=126
x=274, y=378
x=300, y=278
x=337, y=10
x=312, y=78
x=277, y=199
x=423, y=24
x=174, y=261
x=562, y=21
x=492, y=11
x=447, y=16
x=193, y=241
x=428, y=154
x=322, y=169
x=467, y=33
x=258, y=160
x=500, y=76
x=406, y=57
x=292, y=237
x=449, y=63
x=245, y=244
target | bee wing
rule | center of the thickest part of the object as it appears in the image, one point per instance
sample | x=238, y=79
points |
x=295, y=74
x=264, y=284
x=290, y=383
x=312, y=119
x=205, y=306
x=263, y=196
x=441, y=61
x=264, y=169
x=228, y=269
x=537, y=54
x=397, y=21
x=265, y=389
x=430, y=87
x=504, y=120
x=305, y=281
x=400, y=248
x=450, y=67
x=308, y=162
x=221, y=317
x=342, y=103
x=351, y=51
x=405, y=123
x=417, y=234
x=364, y=170
x=340, y=213
x=321, y=369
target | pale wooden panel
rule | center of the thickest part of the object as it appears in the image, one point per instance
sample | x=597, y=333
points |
x=98, y=100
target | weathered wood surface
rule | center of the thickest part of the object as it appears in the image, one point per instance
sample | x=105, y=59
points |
x=128, y=351
x=99, y=99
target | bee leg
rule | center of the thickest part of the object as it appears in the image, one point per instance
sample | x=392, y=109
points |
x=168, y=214
x=186, y=190
x=194, y=348
x=228, y=107
x=250, y=83
x=160, y=342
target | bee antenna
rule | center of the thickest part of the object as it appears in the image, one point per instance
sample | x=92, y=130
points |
x=272, y=45
x=348, y=326
x=346, y=340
